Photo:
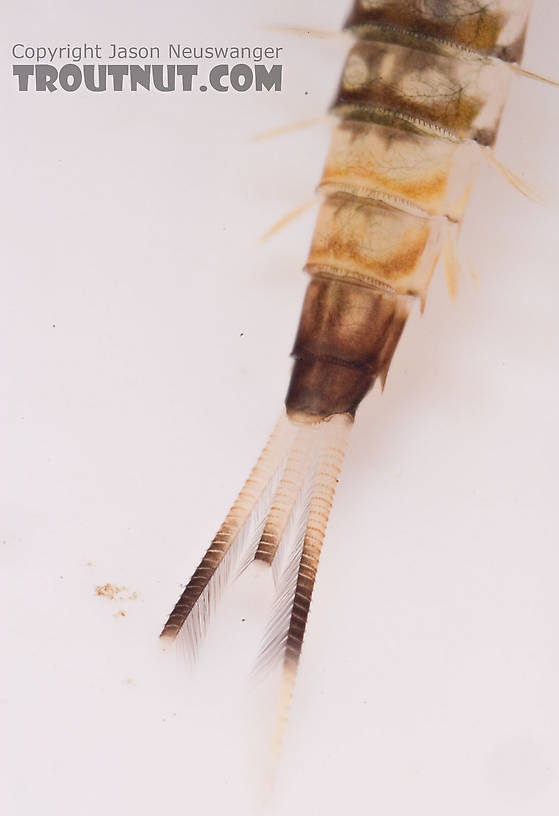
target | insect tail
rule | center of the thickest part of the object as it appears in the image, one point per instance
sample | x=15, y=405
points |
x=233, y=545
x=289, y=500
x=283, y=638
x=279, y=516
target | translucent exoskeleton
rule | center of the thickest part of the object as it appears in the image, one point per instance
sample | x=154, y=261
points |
x=418, y=109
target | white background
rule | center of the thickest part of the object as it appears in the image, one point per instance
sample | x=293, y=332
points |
x=144, y=343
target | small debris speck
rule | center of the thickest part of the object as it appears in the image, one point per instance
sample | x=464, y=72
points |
x=115, y=593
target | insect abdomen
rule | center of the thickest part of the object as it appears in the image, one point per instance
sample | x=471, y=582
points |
x=494, y=28
x=421, y=96
x=422, y=90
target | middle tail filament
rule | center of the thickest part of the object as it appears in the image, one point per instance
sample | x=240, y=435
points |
x=294, y=474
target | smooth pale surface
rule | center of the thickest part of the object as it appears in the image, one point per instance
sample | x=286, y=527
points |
x=144, y=360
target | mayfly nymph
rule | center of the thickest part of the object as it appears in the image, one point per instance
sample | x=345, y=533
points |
x=418, y=108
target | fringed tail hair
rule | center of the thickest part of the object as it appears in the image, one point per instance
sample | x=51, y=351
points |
x=279, y=518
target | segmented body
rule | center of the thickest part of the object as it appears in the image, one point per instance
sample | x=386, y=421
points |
x=422, y=90
x=421, y=96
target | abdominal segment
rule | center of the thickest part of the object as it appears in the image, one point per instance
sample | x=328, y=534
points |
x=346, y=339
x=423, y=88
